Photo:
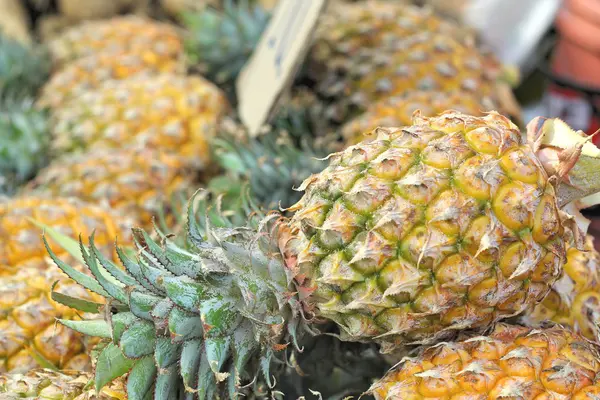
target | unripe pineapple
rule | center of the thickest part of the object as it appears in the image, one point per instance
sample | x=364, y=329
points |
x=512, y=362
x=575, y=298
x=46, y=384
x=399, y=110
x=452, y=223
x=168, y=112
x=28, y=329
x=137, y=182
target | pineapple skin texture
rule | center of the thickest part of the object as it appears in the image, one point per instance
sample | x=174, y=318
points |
x=574, y=300
x=131, y=34
x=448, y=224
x=27, y=311
x=168, y=112
x=399, y=110
x=135, y=182
x=97, y=52
x=63, y=385
x=372, y=50
x=512, y=362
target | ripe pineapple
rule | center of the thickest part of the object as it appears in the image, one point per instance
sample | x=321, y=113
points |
x=129, y=34
x=28, y=330
x=168, y=112
x=47, y=384
x=513, y=362
x=372, y=50
x=118, y=48
x=398, y=110
x=137, y=182
x=373, y=246
x=575, y=298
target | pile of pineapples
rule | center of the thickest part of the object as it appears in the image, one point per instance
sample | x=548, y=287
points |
x=394, y=232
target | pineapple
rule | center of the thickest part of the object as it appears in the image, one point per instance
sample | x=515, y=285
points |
x=372, y=50
x=29, y=334
x=137, y=182
x=169, y=112
x=150, y=40
x=398, y=110
x=575, y=298
x=99, y=51
x=47, y=384
x=512, y=362
x=24, y=142
x=384, y=244
x=79, y=77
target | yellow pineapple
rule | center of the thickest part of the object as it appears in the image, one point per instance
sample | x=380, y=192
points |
x=118, y=48
x=399, y=110
x=513, y=362
x=28, y=329
x=375, y=49
x=168, y=112
x=81, y=76
x=47, y=384
x=117, y=35
x=430, y=228
x=138, y=182
x=575, y=298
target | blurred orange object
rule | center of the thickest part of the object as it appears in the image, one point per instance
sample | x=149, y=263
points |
x=577, y=53
x=575, y=93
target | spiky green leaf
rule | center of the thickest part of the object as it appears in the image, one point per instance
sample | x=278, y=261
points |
x=111, y=364
x=94, y=327
x=138, y=339
x=141, y=379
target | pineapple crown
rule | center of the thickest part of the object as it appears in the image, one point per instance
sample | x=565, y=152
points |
x=23, y=69
x=199, y=321
x=220, y=42
x=24, y=142
x=272, y=165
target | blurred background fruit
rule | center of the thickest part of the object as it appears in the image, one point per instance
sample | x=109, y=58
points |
x=29, y=335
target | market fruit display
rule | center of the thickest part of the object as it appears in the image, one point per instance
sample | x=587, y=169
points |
x=395, y=230
x=511, y=362
x=395, y=278
x=28, y=330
